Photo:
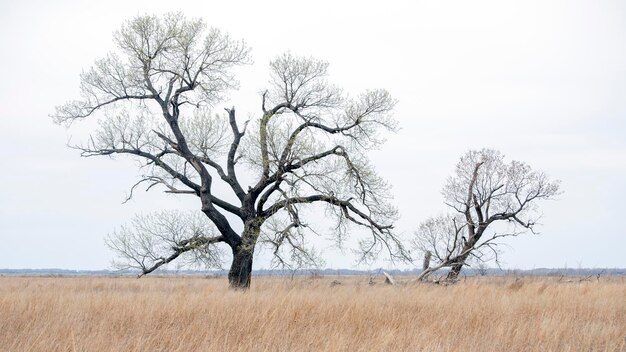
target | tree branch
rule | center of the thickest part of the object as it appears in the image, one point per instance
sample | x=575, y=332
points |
x=185, y=246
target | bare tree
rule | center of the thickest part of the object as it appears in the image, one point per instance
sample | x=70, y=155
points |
x=483, y=192
x=307, y=146
x=482, y=268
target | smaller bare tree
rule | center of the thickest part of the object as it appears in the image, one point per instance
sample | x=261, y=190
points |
x=483, y=191
x=482, y=268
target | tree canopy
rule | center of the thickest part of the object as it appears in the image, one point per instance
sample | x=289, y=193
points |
x=155, y=97
x=483, y=191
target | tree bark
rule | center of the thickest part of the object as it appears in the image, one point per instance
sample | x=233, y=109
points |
x=241, y=268
x=454, y=272
x=468, y=247
x=455, y=269
x=240, y=272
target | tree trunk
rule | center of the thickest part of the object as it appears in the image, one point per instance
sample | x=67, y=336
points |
x=455, y=269
x=241, y=269
x=468, y=247
x=454, y=272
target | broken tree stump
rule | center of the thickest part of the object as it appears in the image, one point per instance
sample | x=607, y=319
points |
x=389, y=279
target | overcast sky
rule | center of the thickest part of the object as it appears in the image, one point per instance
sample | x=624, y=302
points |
x=542, y=81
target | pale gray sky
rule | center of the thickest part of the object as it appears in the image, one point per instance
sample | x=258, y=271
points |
x=542, y=81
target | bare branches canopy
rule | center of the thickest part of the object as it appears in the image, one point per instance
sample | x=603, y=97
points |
x=306, y=145
x=150, y=241
x=483, y=192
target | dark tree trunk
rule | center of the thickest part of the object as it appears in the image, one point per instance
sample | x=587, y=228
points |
x=243, y=253
x=454, y=272
x=455, y=269
x=468, y=247
x=241, y=269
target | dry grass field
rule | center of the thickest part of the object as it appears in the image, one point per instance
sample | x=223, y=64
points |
x=197, y=314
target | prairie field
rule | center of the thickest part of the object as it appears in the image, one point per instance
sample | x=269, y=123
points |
x=311, y=314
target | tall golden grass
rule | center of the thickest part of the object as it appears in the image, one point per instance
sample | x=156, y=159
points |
x=197, y=314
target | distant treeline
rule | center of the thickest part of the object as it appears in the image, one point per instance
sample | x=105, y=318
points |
x=324, y=272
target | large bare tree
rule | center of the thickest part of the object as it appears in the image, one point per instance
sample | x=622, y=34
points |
x=490, y=199
x=307, y=144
